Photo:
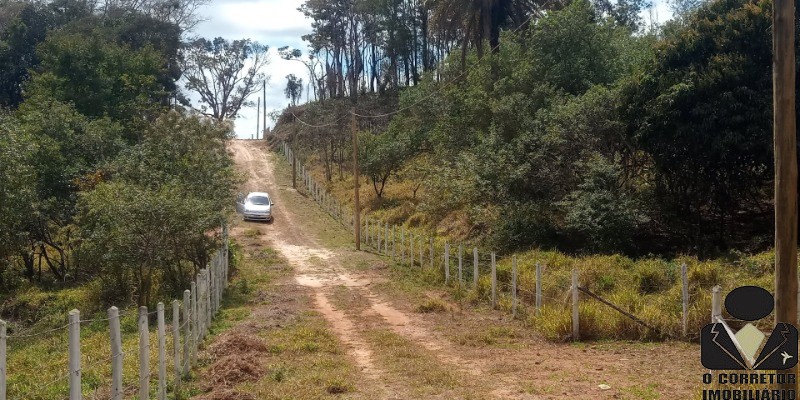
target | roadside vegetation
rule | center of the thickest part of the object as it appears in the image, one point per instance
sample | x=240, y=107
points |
x=113, y=187
x=582, y=131
x=578, y=139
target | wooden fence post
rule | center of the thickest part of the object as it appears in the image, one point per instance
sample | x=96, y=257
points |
x=716, y=303
x=208, y=300
x=212, y=284
x=176, y=343
x=75, y=355
x=144, y=355
x=421, y=250
x=386, y=241
x=446, y=263
x=685, y=299
x=187, y=324
x=201, y=312
x=460, y=260
x=475, y=266
x=411, y=251
x=201, y=304
x=575, y=321
x=215, y=287
x=193, y=323
x=3, y=368
x=432, y=255
x=393, y=244
x=538, y=289
x=514, y=286
x=494, y=281
x=162, y=352
x=402, y=245
x=116, y=354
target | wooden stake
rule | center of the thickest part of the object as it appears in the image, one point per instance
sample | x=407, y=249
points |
x=460, y=263
x=475, y=266
x=514, y=286
x=162, y=351
x=494, y=281
x=116, y=354
x=446, y=263
x=144, y=355
x=576, y=331
x=538, y=289
x=685, y=299
x=75, y=355
x=3, y=369
x=176, y=343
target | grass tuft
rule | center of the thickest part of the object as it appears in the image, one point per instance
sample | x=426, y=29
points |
x=432, y=305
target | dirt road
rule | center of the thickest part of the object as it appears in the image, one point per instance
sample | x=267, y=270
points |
x=401, y=354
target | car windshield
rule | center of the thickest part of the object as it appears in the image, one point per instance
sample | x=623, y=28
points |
x=259, y=200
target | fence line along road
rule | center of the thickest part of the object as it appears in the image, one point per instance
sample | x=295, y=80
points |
x=191, y=320
x=435, y=253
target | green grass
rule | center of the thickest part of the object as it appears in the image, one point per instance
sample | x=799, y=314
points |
x=403, y=357
x=649, y=288
x=304, y=361
x=38, y=365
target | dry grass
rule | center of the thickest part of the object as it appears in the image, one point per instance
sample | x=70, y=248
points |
x=432, y=305
x=233, y=369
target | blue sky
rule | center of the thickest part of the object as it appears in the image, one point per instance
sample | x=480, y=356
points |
x=277, y=23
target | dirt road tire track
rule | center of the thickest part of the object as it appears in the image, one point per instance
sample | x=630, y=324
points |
x=321, y=270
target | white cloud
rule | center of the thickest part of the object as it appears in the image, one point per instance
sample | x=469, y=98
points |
x=275, y=23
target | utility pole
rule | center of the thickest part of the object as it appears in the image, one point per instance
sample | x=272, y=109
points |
x=265, y=108
x=356, y=179
x=784, y=124
x=258, y=128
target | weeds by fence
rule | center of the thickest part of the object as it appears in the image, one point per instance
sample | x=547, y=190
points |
x=568, y=302
x=189, y=324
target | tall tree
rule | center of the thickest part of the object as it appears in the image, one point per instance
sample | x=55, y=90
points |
x=224, y=74
x=294, y=89
x=482, y=20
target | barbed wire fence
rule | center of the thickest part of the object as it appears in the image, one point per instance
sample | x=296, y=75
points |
x=171, y=360
x=519, y=292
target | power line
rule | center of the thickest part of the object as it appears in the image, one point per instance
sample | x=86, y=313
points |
x=315, y=126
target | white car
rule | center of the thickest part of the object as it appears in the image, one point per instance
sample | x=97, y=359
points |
x=255, y=206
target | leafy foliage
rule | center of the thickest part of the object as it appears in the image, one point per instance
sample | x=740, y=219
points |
x=224, y=74
x=94, y=164
x=581, y=132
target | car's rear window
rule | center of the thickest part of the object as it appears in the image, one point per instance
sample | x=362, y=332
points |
x=259, y=200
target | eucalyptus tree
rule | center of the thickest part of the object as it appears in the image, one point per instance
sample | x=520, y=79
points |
x=224, y=74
